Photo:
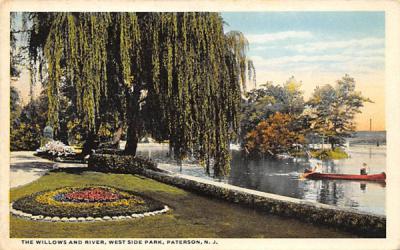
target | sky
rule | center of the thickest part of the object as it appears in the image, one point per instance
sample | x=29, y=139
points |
x=319, y=48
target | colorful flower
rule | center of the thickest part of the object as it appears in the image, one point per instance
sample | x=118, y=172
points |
x=93, y=201
x=88, y=196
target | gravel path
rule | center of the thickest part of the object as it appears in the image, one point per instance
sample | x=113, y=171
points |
x=26, y=168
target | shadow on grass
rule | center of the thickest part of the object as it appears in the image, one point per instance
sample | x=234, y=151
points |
x=77, y=170
x=25, y=157
x=82, y=170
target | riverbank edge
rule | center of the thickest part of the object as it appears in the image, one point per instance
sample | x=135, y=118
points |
x=363, y=224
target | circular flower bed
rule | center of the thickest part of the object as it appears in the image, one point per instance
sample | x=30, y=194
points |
x=92, y=194
x=87, y=202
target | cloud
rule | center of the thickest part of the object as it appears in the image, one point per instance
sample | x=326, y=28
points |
x=364, y=55
x=331, y=45
x=264, y=47
x=278, y=36
x=369, y=61
x=356, y=52
x=299, y=59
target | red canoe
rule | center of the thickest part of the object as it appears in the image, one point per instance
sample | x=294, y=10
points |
x=369, y=177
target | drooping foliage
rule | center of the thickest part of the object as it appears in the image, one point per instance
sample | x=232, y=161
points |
x=171, y=75
x=195, y=83
x=238, y=45
x=251, y=72
x=75, y=52
x=18, y=48
x=14, y=70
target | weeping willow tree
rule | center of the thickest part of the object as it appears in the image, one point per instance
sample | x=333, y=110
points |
x=252, y=72
x=239, y=45
x=172, y=75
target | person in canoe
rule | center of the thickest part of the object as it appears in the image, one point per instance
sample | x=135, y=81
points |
x=363, y=170
x=317, y=168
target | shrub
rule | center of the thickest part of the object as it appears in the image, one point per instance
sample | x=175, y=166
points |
x=124, y=164
x=327, y=154
x=112, y=151
x=26, y=123
x=25, y=137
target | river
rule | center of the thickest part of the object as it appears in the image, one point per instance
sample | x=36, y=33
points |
x=283, y=177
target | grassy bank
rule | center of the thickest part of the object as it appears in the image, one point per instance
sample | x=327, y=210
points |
x=191, y=215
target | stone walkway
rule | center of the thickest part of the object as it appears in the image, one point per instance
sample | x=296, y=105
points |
x=26, y=168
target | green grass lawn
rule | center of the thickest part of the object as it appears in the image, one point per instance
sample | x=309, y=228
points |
x=191, y=215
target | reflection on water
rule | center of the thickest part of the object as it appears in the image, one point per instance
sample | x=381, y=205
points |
x=283, y=177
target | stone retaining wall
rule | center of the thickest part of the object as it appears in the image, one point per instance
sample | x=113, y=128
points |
x=364, y=224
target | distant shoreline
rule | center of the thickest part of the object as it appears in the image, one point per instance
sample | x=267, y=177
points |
x=373, y=131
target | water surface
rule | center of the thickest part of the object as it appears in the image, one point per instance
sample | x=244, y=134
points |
x=283, y=177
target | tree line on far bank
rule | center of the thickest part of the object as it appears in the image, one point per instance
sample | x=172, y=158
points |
x=276, y=119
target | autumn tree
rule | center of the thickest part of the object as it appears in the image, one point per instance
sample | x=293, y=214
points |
x=269, y=99
x=277, y=134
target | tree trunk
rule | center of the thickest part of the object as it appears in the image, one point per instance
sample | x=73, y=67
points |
x=132, y=138
x=117, y=135
x=134, y=122
x=208, y=166
x=90, y=143
x=170, y=151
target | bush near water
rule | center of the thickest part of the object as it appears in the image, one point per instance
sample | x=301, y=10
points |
x=117, y=163
x=324, y=154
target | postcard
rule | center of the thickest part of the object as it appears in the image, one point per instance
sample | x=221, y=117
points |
x=200, y=125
